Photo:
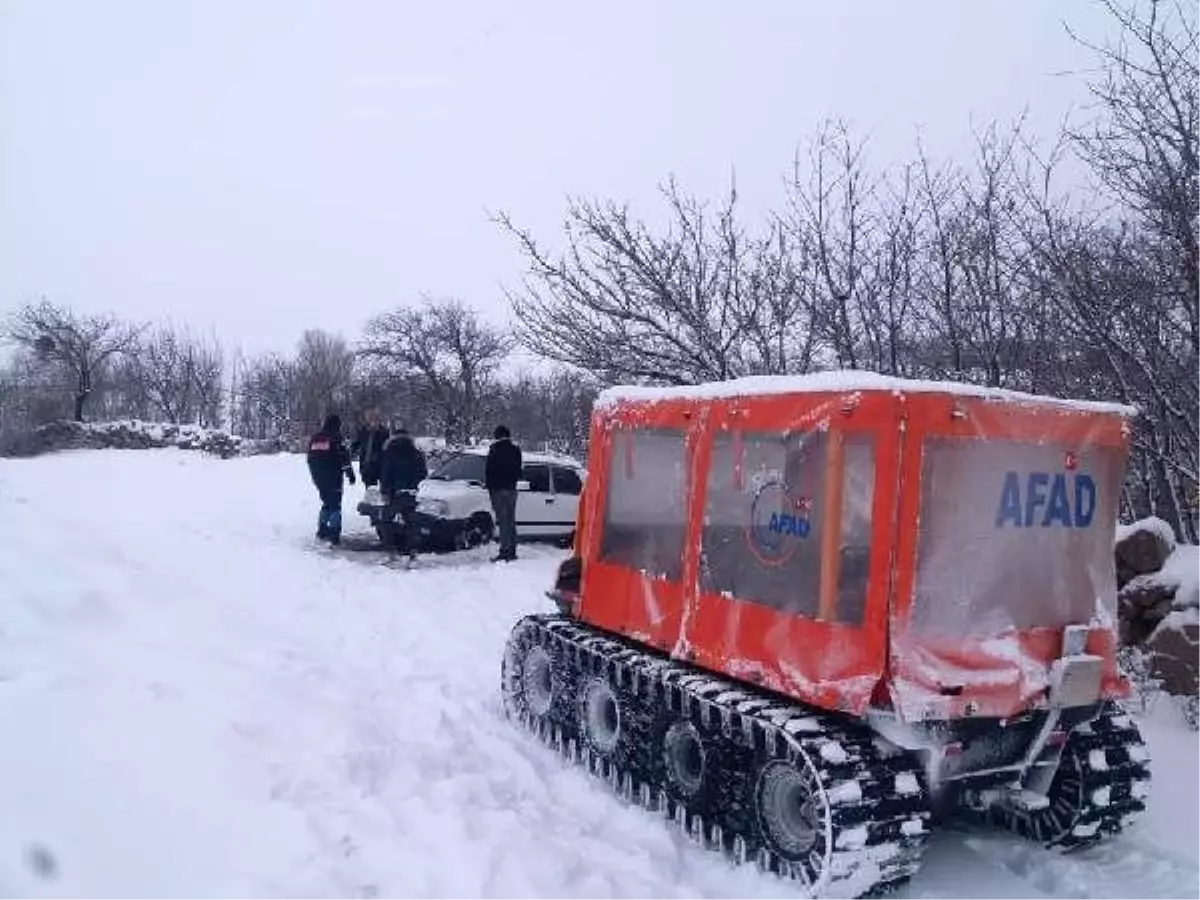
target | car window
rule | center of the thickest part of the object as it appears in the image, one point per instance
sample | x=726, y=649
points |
x=538, y=477
x=566, y=481
x=463, y=467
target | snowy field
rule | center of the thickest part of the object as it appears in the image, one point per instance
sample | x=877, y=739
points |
x=196, y=699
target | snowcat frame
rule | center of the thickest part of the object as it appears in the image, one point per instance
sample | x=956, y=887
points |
x=728, y=635
x=750, y=641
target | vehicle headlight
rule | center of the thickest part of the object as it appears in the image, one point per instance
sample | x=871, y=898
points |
x=439, y=508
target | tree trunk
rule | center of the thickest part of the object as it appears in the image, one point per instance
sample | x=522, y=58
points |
x=83, y=390
x=1168, y=507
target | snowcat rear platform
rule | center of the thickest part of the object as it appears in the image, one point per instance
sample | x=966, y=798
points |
x=803, y=611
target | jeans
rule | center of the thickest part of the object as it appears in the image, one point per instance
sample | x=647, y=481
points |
x=504, y=505
x=329, y=522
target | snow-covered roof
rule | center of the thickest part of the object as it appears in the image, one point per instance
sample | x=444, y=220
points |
x=531, y=456
x=839, y=381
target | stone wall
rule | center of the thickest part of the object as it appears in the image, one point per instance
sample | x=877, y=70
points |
x=133, y=435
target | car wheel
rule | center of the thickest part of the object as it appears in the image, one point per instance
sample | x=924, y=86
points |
x=476, y=532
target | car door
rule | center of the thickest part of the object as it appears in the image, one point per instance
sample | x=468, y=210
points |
x=567, y=486
x=535, y=502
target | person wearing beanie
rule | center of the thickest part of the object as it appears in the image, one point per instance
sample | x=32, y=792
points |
x=328, y=464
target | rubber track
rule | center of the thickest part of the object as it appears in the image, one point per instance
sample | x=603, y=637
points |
x=1100, y=786
x=877, y=799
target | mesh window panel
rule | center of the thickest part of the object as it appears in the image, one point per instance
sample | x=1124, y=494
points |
x=858, y=502
x=1014, y=536
x=762, y=528
x=645, y=513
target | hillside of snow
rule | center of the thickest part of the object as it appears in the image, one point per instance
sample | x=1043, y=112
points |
x=197, y=699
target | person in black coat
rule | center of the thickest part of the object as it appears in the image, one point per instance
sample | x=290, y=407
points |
x=402, y=470
x=328, y=464
x=368, y=447
x=501, y=474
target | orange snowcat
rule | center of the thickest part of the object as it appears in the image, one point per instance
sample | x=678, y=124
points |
x=805, y=614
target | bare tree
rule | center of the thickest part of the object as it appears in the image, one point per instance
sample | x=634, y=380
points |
x=833, y=207
x=938, y=341
x=322, y=371
x=704, y=300
x=206, y=370
x=858, y=236
x=1124, y=281
x=175, y=374
x=446, y=345
x=31, y=394
x=162, y=363
x=1142, y=137
x=265, y=404
x=547, y=411
x=990, y=261
x=80, y=344
x=890, y=300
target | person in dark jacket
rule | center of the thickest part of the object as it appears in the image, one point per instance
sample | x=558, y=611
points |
x=368, y=447
x=501, y=474
x=402, y=470
x=328, y=464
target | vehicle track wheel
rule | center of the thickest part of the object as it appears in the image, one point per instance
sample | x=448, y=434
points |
x=601, y=715
x=684, y=757
x=537, y=681
x=1102, y=780
x=794, y=814
x=530, y=682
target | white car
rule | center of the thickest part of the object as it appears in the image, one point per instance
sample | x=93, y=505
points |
x=454, y=509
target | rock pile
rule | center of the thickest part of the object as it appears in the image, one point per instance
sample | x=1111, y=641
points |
x=1159, y=602
x=1142, y=549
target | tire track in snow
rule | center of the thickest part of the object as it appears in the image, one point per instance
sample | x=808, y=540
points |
x=339, y=719
x=1128, y=866
x=996, y=864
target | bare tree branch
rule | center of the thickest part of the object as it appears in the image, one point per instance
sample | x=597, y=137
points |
x=448, y=347
x=81, y=345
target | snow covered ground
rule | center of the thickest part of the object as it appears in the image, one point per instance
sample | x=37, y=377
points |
x=197, y=700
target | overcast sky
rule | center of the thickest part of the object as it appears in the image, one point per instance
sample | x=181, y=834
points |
x=263, y=166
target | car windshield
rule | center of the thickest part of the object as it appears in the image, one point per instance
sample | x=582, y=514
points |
x=463, y=467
